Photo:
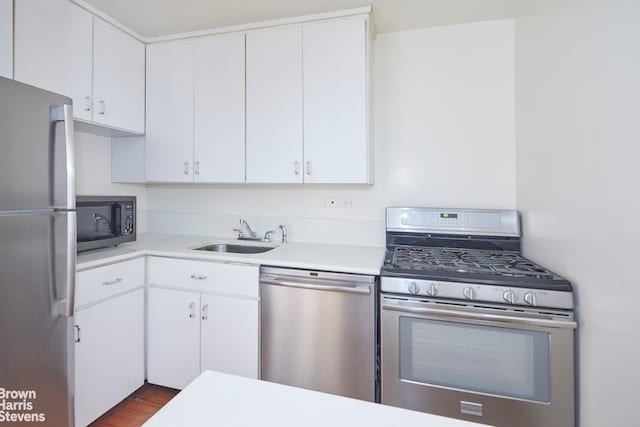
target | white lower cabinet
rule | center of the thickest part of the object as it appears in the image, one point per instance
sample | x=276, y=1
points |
x=109, y=354
x=229, y=340
x=173, y=337
x=109, y=337
x=201, y=315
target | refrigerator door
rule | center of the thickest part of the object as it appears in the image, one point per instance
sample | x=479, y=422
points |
x=36, y=274
x=36, y=149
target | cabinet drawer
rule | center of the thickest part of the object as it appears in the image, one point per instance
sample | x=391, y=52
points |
x=230, y=279
x=103, y=282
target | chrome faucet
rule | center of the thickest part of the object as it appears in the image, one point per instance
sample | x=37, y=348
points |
x=284, y=233
x=245, y=232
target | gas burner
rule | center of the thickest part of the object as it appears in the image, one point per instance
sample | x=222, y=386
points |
x=458, y=260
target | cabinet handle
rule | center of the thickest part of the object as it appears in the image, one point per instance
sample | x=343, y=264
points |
x=296, y=167
x=87, y=104
x=196, y=168
x=112, y=282
x=192, y=311
x=102, y=108
x=186, y=168
x=77, y=337
x=198, y=277
x=205, y=312
x=308, y=168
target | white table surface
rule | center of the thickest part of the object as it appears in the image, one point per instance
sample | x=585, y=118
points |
x=216, y=399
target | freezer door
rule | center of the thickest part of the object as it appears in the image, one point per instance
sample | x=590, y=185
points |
x=36, y=355
x=36, y=149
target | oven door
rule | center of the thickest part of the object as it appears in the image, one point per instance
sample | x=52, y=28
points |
x=484, y=364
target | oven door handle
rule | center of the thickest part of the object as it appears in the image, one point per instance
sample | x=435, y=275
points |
x=446, y=314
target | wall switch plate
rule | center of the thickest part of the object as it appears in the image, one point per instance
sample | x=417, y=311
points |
x=339, y=202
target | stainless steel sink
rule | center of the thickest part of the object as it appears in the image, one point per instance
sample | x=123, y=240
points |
x=236, y=249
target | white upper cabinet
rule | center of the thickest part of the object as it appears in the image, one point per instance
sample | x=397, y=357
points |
x=118, y=78
x=63, y=48
x=169, y=137
x=274, y=105
x=6, y=38
x=219, y=146
x=335, y=101
x=53, y=50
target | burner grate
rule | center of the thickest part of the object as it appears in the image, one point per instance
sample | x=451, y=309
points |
x=502, y=263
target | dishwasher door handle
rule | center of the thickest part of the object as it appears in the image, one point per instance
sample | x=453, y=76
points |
x=362, y=290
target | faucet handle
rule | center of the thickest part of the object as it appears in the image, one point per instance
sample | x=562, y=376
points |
x=284, y=233
x=267, y=235
x=237, y=230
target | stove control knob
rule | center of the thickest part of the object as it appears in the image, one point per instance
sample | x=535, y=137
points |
x=414, y=288
x=509, y=296
x=432, y=290
x=469, y=293
x=530, y=298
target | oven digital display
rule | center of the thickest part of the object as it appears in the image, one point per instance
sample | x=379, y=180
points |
x=449, y=215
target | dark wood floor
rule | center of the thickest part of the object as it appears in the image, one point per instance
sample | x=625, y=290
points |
x=137, y=408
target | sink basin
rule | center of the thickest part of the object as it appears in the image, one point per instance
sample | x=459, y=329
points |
x=236, y=249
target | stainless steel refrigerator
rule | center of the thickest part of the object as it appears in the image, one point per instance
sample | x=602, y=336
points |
x=37, y=255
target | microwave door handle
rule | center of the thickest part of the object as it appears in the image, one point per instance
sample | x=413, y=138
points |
x=458, y=315
x=116, y=218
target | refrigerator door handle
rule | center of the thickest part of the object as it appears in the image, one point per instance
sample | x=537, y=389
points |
x=64, y=113
x=71, y=264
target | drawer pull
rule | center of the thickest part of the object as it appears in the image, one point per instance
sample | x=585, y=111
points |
x=198, y=277
x=113, y=282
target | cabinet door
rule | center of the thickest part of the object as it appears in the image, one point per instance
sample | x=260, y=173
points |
x=118, y=78
x=53, y=49
x=6, y=38
x=169, y=136
x=109, y=354
x=274, y=105
x=219, y=108
x=173, y=337
x=335, y=101
x=229, y=335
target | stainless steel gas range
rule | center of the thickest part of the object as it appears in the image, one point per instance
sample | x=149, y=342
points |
x=469, y=327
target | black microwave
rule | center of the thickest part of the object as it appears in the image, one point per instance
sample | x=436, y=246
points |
x=105, y=221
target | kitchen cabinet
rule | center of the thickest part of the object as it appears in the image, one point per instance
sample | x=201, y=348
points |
x=335, y=101
x=109, y=337
x=169, y=136
x=118, y=78
x=218, y=144
x=53, y=50
x=201, y=315
x=307, y=103
x=195, y=110
x=6, y=38
x=274, y=105
x=61, y=47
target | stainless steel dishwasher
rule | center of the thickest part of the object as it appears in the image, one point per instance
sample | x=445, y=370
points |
x=318, y=331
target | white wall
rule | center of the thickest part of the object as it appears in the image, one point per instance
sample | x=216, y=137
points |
x=444, y=136
x=578, y=180
x=93, y=172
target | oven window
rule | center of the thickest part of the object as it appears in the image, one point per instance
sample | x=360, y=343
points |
x=500, y=361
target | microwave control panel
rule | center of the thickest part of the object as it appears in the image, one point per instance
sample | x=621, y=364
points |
x=128, y=219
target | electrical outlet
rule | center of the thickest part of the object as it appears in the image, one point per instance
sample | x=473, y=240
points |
x=339, y=202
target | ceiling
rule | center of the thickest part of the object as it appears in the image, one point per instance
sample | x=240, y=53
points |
x=161, y=17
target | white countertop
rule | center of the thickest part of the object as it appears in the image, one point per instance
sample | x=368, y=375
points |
x=216, y=399
x=315, y=256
